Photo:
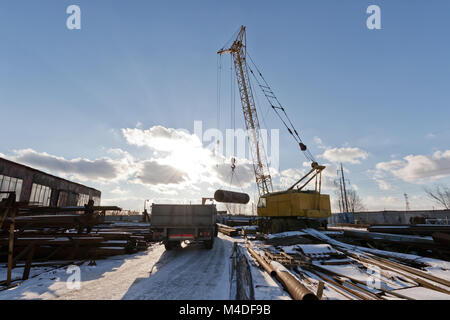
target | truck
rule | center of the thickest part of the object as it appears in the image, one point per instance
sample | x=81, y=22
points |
x=174, y=223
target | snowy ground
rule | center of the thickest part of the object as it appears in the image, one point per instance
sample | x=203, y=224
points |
x=191, y=272
x=194, y=273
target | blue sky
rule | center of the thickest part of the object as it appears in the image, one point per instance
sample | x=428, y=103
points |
x=67, y=94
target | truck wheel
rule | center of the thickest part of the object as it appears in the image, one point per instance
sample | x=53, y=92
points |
x=168, y=245
x=209, y=244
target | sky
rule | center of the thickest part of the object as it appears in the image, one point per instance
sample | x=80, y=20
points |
x=113, y=104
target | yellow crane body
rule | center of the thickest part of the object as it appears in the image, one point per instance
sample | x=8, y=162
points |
x=294, y=203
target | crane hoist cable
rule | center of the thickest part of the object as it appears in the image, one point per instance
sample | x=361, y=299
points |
x=277, y=107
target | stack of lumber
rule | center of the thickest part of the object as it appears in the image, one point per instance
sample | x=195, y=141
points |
x=227, y=230
x=67, y=233
x=69, y=245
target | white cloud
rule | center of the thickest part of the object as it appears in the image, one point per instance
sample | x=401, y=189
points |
x=82, y=169
x=179, y=166
x=184, y=162
x=418, y=168
x=243, y=173
x=345, y=154
x=289, y=176
x=286, y=178
x=384, y=203
x=118, y=191
x=319, y=143
x=162, y=139
x=383, y=185
x=154, y=173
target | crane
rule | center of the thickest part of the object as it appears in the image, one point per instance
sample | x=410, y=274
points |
x=260, y=166
x=288, y=209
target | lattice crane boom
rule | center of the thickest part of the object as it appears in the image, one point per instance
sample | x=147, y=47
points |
x=238, y=52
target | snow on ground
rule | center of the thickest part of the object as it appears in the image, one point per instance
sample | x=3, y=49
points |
x=246, y=227
x=186, y=273
x=285, y=234
x=266, y=288
x=423, y=294
x=109, y=279
x=190, y=272
x=434, y=263
x=332, y=227
x=438, y=268
x=17, y=273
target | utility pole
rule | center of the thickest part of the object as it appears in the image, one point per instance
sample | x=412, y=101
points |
x=345, y=189
x=341, y=204
x=407, y=208
x=343, y=201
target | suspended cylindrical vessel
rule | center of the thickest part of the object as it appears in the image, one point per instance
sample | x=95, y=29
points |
x=231, y=197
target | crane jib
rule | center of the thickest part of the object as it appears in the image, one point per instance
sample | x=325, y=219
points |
x=257, y=151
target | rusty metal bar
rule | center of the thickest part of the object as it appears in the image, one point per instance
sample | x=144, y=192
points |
x=328, y=279
x=292, y=285
x=26, y=270
x=405, y=273
x=11, y=246
x=413, y=271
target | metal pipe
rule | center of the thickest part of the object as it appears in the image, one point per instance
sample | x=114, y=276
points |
x=297, y=290
x=292, y=285
x=231, y=197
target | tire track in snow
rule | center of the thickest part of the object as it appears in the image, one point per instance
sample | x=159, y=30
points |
x=188, y=273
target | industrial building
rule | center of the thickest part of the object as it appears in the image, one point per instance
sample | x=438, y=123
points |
x=43, y=189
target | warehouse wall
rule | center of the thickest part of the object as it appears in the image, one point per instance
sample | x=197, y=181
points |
x=29, y=176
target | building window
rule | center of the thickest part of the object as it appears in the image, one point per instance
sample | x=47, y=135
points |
x=262, y=203
x=82, y=199
x=9, y=184
x=62, y=199
x=96, y=201
x=40, y=195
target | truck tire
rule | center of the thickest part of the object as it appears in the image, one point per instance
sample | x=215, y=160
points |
x=209, y=244
x=169, y=245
